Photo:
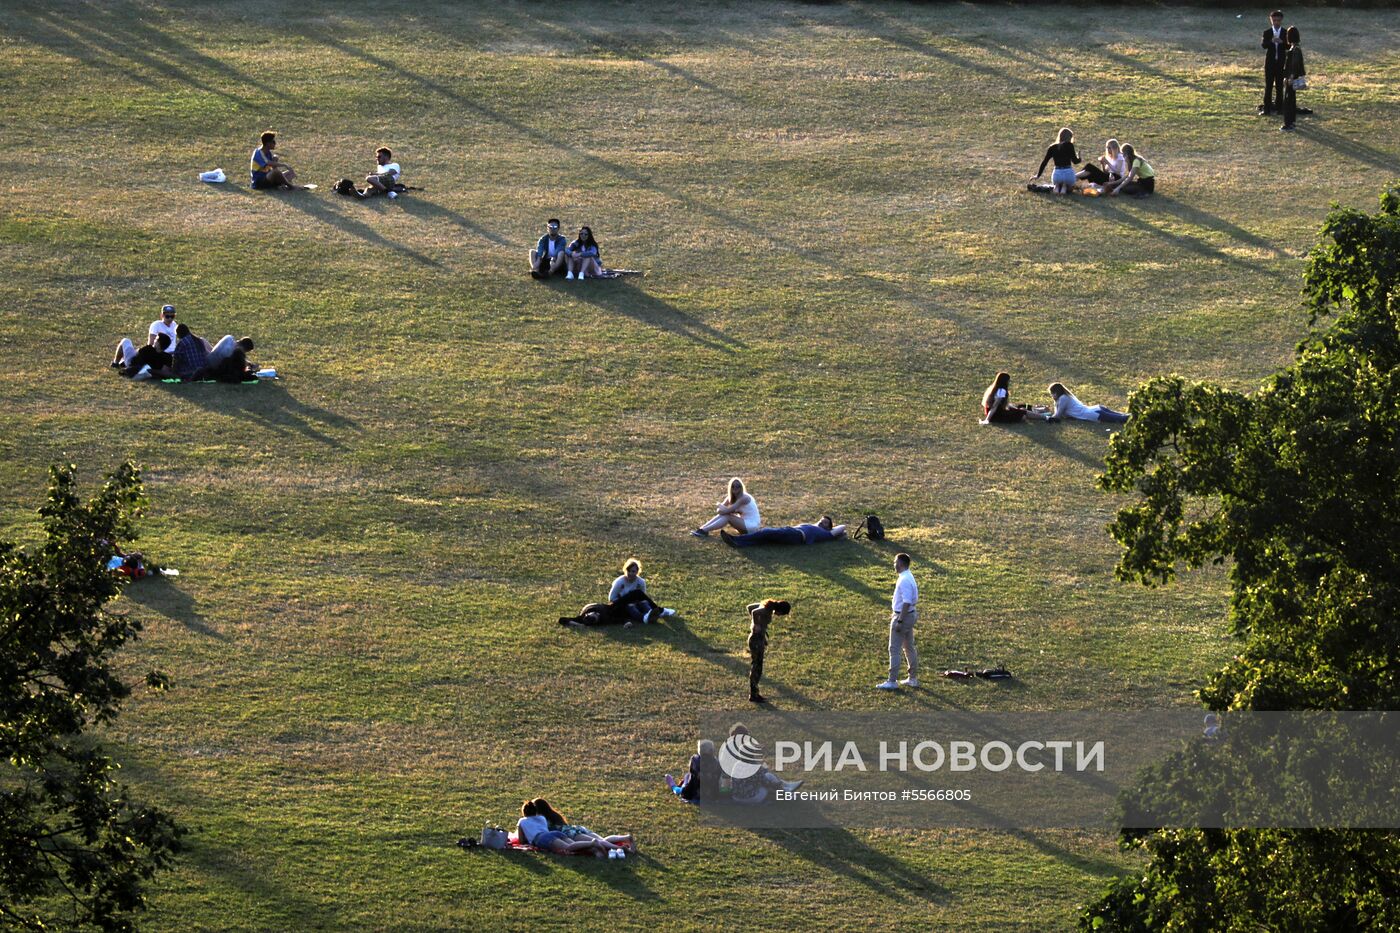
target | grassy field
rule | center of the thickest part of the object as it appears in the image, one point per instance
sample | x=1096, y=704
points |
x=829, y=203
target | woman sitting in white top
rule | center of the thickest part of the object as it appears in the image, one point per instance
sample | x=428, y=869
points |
x=1111, y=166
x=1067, y=406
x=628, y=596
x=738, y=510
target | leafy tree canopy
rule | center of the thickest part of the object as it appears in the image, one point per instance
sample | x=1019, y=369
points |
x=75, y=850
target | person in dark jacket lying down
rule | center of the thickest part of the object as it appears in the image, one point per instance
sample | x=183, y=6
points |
x=816, y=533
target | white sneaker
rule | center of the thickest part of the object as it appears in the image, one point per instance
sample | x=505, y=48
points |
x=393, y=194
x=619, y=854
x=568, y=275
x=667, y=613
x=143, y=374
x=887, y=685
x=910, y=681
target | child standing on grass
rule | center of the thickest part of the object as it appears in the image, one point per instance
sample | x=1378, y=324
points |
x=760, y=616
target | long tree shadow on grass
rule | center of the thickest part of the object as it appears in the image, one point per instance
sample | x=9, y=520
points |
x=423, y=209
x=622, y=297
x=1117, y=211
x=1351, y=148
x=101, y=37
x=775, y=239
x=1048, y=437
x=163, y=595
x=841, y=852
x=1194, y=215
x=318, y=209
x=831, y=561
x=675, y=633
x=266, y=403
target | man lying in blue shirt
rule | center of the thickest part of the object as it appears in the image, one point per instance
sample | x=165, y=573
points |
x=823, y=530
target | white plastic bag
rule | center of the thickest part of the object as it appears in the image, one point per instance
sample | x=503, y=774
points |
x=216, y=177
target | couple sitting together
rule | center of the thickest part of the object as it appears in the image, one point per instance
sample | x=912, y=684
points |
x=174, y=351
x=703, y=782
x=552, y=255
x=739, y=511
x=997, y=407
x=628, y=603
x=1120, y=170
x=545, y=828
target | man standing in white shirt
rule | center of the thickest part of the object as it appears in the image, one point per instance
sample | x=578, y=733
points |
x=904, y=615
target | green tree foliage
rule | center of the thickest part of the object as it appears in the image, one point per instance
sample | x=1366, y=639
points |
x=75, y=850
x=1298, y=487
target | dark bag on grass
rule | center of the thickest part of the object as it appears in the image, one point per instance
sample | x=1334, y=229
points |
x=871, y=527
x=995, y=673
x=346, y=187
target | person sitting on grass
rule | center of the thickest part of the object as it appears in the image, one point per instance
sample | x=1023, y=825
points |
x=1110, y=166
x=584, y=257
x=1067, y=406
x=1140, y=179
x=810, y=533
x=738, y=510
x=1065, y=157
x=385, y=178
x=556, y=822
x=628, y=597
x=269, y=172
x=997, y=407
x=150, y=362
x=548, y=256
x=754, y=788
x=701, y=781
x=191, y=354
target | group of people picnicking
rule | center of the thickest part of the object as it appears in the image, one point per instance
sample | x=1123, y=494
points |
x=554, y=255
x=173, y=351
x=1120, y=170
x=1123, y=170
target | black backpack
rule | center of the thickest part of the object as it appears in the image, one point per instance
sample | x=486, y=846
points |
x=346, y=187
x=872, y=528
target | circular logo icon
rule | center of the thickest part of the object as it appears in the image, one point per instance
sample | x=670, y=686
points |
x=741, y=756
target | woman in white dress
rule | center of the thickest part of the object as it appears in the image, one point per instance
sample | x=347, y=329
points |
x=738, y=510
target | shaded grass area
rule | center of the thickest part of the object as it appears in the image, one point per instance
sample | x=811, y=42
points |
x=829, y=204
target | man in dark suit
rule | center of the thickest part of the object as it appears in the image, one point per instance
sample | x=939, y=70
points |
x=1275, y=48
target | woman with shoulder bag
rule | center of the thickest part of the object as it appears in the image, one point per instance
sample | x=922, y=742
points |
x=1294, y=76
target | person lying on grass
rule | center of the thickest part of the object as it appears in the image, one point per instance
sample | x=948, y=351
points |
x=809, y=533
x=583, y=256
x=997, y=407
x=269, y=172
x=738, y=510
x=1067, y=406
x=533, y=829
x=628, y=596
x=701, y=781
x=384, y=179
x=228, y=361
